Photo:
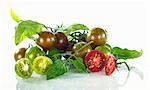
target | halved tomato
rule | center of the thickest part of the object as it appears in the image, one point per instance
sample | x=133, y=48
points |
x=95, y=60
x=110, y=65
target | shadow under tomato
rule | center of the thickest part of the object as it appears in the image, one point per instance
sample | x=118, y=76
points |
x=71, y=81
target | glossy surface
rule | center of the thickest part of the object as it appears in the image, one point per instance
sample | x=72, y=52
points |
x=62, y=41
x=97, y=35
x=20, y=54
x=46, y=40
x=81, y=53
x=95, y=60
x=103, y=49
x=33, y=52
x=88, y=81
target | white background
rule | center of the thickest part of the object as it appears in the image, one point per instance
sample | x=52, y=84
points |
x=125, y=20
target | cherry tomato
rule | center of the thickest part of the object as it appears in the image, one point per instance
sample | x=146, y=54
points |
x=110, y=65
x=20, y=54
x=81, y=53
x=46, y=40
x=23, y=68
x=95, y=60
x=40, y=64
x=103, y=49
x=62, y=41
x=33, y=52
x=97, y=35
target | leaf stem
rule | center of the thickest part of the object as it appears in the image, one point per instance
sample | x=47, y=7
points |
x=125, y=64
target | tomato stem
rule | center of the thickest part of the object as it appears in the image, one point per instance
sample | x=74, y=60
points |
x=85, y=45
x=62, y=54
x=47, y=27
x=73, y=55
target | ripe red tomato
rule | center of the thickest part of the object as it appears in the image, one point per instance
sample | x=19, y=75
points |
x=110, y=65
x=95, y=60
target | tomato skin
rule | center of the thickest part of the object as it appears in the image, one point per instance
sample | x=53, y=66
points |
x=97, y=35
x=110, y=65
x=103, y=49
x=33, y=52
x=46, y=40
x=19, y=54
x=95, y=60
x=81, y=53
x=62, y=41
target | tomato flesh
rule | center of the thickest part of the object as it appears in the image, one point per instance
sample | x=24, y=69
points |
x=95, y=60
x=110, y=65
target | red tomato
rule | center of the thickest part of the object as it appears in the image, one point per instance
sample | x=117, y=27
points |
x=110, y=65
x=95, y=60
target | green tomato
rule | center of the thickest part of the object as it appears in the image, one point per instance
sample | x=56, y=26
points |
x=40, y=64
x=33, y=52
x=23, y=68
x=103, y=49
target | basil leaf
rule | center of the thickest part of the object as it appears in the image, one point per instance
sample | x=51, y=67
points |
x=26, y=29
x=125, y=53
x=56, y=69
x=14, y=16
x=75, y=27
x=79, y=65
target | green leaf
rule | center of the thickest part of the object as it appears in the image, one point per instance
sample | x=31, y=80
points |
x=79, y=65
x=75, y=27
x=14, y=16
x=56, y=69
x=26, y=29
x=125, y=53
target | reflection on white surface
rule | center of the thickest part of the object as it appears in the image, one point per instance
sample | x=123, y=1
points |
x=75, y=81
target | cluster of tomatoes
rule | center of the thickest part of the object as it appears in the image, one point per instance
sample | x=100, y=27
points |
x=92, y=49
x=95, y=53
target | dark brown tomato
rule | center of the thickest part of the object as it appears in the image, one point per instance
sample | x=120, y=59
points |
x=62, y=41
x=97, y=35
x=81, y=53
x=19, y=54
x=46, y=40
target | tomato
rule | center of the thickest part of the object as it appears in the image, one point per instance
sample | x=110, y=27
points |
x=97, y=35
x=40, y=64
x=81, y=53
x=95, y=60
x=110, y=65
x=62, y=41
x=33, y=52
x=20, y=54
x=103, y=49
x=46, y=40
x=23, y=68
